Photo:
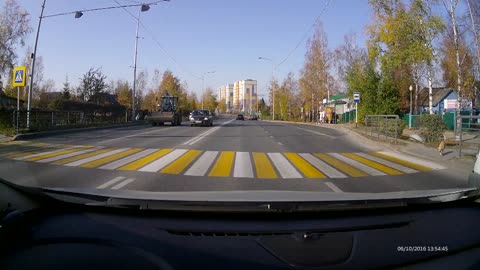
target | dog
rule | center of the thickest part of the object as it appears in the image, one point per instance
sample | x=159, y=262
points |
x=441, y=147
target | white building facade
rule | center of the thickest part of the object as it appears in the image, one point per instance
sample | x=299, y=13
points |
x=240, y=96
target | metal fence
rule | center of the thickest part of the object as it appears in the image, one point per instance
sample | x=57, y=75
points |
x=469, y=141
x=383, y=126
x=50, y=120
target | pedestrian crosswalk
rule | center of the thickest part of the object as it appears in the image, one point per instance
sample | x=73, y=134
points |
x=259, y=165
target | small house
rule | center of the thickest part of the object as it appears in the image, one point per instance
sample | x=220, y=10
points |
x=443, y=99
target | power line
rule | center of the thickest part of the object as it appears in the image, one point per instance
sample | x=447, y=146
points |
x=102, y=8
x=152, y=36
x=306, y=34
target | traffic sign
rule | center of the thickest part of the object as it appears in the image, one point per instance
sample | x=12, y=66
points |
x=19, y=76
x=356, y=97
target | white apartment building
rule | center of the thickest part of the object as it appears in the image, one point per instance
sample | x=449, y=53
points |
x=240, y=96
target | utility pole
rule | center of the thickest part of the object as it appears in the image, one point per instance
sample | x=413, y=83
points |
x=32, y=72
x=134, y=92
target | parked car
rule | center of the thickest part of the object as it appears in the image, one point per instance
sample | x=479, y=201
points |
x=240, y=117
x=253, y=117
x=201, y=117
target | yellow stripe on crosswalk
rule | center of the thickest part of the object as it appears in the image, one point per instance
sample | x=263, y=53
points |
x=373, y=164
x=145, y=160
x=57, y=153
x=341, y=166
x=182, y=162
x=263, y=166
x=402, y=162
x=306, y=168
x=224, y=164
x=37, y=150
x=105, y=160
x=82, y=156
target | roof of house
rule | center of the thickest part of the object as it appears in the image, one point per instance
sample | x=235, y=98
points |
x=338, y=96
x=438, y=95
x=105, y=98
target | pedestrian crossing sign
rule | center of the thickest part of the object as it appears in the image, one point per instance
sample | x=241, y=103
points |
x=19, y=76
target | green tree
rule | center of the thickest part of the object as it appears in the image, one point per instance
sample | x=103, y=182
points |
x=92, y=83
x=66, y=89
x=14, y=28
x=222, y=106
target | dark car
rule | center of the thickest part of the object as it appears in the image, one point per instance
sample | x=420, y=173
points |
x=253, y=117
x=201, y=117
x=240, y=117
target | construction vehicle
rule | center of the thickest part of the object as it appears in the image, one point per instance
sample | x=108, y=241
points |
x=167, y=111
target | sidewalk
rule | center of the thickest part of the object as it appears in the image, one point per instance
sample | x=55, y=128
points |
x=450, y=158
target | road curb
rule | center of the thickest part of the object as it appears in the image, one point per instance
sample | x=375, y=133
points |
x=67, y=131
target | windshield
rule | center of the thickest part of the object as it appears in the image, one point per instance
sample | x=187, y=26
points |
x=338, y=97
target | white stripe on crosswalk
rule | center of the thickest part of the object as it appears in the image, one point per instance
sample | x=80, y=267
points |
x=163, y=161
x=128, y=159
x=387, y=163
x=414, y=160
x=46, y=153
x=201, y=166
x=285, y=169
x=322, y=166
x=243, y=165
x=124, y=183
x=70, y=155
x=357, y=164
x=85, y=160
x=111, y=182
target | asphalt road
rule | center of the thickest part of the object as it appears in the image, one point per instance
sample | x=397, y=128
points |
x=231, y=155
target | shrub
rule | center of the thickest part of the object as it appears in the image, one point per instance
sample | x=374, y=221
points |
x=431, y=127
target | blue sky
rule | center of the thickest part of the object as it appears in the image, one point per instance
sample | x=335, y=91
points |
x=225, y=36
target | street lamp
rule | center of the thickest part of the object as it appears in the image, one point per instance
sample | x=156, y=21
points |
x=203, y=83
x=273, y=86
x=410, y=115
x=143, y=8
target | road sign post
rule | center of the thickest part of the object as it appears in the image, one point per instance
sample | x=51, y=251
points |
x=356, y=99
x=19, y=77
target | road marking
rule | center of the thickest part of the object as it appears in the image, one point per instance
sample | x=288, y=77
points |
x=111, y=182
x=204, y=134
x=223, y=166
x=285, y=169
x=135, y=135
x=322, y=166
x=92, y=158
x=35, y=150
x=357, y=164
x=82, y=156
x=388, y=163
x=318, y=133
x=53, y=153
x=181, y=163
x=306, y=168
x=373, y=164
x=243, y=166
x=124, y=183
x=280, y=143
x=47, y=160
x=263, y=166
x=126, y=160
x=160, y=163
x=418, y=161
x=340, y=165
x=333, y=187
x=110, y=158
x=145, y=160
x=201, y=166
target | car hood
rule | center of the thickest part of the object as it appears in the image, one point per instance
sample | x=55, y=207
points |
x=255, y=200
